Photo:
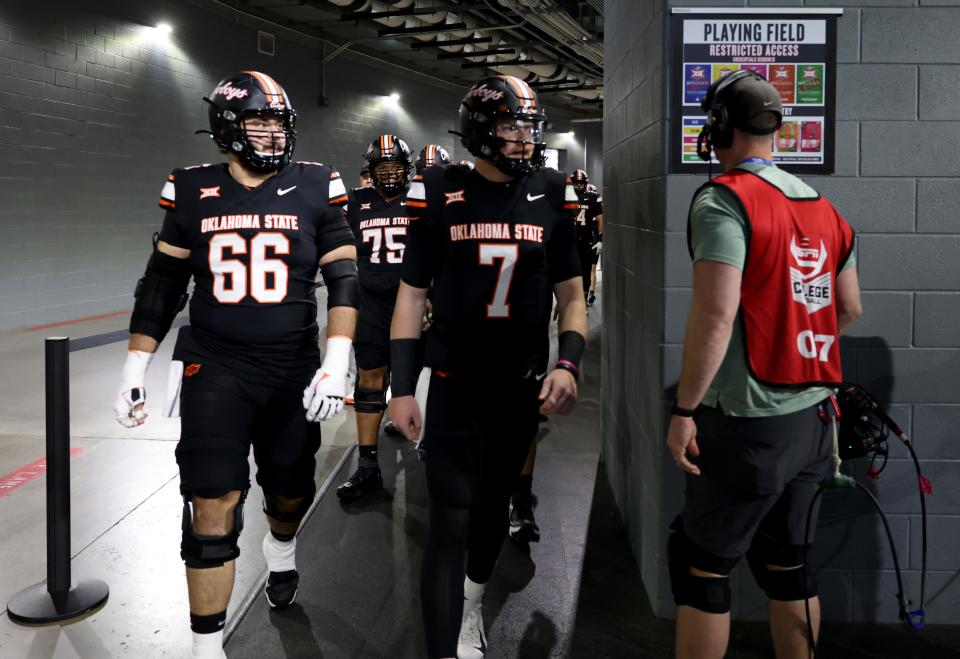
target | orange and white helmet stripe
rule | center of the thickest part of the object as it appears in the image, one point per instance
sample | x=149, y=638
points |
x=386, y=144
x=523, y=91
x=275, y=93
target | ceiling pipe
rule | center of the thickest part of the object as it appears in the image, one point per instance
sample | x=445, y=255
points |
x=527, y=63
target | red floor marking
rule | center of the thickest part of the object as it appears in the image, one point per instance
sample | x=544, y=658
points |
x=61, y=323
x=20, y=477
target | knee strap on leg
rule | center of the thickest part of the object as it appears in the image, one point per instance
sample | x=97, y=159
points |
x=709, y=594
x=781, y=585
x=206, y=551
x=294, y=516
x=370, y=401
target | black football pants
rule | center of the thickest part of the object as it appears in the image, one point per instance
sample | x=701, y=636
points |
x=476, y=440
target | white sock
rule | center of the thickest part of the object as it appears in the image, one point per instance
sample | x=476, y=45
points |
x=208, y=646
x=281, y=556
x=472, y=594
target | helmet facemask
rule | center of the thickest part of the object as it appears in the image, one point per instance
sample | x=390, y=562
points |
x=391, y=177
x=264, y=140
x=521, y=146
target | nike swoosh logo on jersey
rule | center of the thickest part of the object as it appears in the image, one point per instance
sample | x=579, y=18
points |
x=282, y=192
x=540, y=377
x=533, y=197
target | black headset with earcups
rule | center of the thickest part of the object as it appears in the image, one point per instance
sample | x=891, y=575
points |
x=718, y=129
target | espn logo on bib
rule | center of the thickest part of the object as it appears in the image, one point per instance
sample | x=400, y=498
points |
x=810, y=286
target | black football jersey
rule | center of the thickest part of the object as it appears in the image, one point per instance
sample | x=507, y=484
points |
x=589, y=208
x=254, y=254
x=380, y=228
x=492, y=252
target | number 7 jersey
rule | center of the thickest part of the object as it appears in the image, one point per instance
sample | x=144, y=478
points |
x=493, y=252
x=254, y=254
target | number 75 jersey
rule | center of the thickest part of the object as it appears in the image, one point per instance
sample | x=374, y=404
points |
x=493, y=252
x=381, y=230
x=255, y=252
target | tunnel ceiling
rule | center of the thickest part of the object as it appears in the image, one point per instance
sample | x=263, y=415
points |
x=555, y=45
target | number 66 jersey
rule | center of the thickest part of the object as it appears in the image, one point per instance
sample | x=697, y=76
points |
x=492, y=252
x=254, y=254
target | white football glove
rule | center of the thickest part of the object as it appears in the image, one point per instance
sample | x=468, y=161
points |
x=598, y=248
x=323, y=397
x=131, y=397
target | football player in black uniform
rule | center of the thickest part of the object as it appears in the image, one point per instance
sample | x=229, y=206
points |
x=379, y=221
x=252, y=233
x=495, y=242
x=598, y=245
x=430, y=155
x=589, y=223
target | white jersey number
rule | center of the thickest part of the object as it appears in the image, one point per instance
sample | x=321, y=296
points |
x=499, y=308
x=233, y=279
x=807, y=345
x=390, y=235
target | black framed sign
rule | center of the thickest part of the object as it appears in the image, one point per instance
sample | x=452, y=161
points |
x=795, y=49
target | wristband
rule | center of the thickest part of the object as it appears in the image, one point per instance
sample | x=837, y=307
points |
x=570, y=347
x=403, y=366
x=569, y=367
x=676, y=410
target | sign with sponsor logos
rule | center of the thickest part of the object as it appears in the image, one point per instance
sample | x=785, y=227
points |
x=795, y=49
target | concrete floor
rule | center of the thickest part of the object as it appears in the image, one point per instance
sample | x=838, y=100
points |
x=126, y=508
x=360, y=584
x=125, y=504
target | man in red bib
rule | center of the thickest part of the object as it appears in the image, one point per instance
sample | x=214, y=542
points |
x=774, y=285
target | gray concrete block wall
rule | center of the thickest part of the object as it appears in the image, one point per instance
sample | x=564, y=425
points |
x=898, y=133
x=633, y=261
x=94, y=113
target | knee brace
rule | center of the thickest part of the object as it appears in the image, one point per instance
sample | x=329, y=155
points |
x=781, y=585
x=294, y=516
x=201, y=552
x=371, y=401
x=709, y=594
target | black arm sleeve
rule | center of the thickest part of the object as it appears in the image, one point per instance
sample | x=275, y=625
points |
x=562, y=256
x=342, y=282
x=160, y=295
x=333, y=231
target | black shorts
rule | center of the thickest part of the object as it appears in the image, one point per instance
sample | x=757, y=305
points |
x=477, y=437
x=755, y=472
x=223, y=414
x=372, y=341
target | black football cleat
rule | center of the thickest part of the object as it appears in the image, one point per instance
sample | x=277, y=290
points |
x=523, y=526
x=364, y=480
x=281, y=589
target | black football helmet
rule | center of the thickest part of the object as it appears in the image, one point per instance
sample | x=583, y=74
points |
x=242, y=96
x=432, y=154
x=389, y=148
x=488, y=103
x=580, y=181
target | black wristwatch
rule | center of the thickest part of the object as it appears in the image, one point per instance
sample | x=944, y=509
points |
x=676, y=410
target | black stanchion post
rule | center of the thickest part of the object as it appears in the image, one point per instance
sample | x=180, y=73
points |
x=58, y=599
x=58, y=466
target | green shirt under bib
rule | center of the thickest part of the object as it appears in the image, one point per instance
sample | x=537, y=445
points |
x=719, y=233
